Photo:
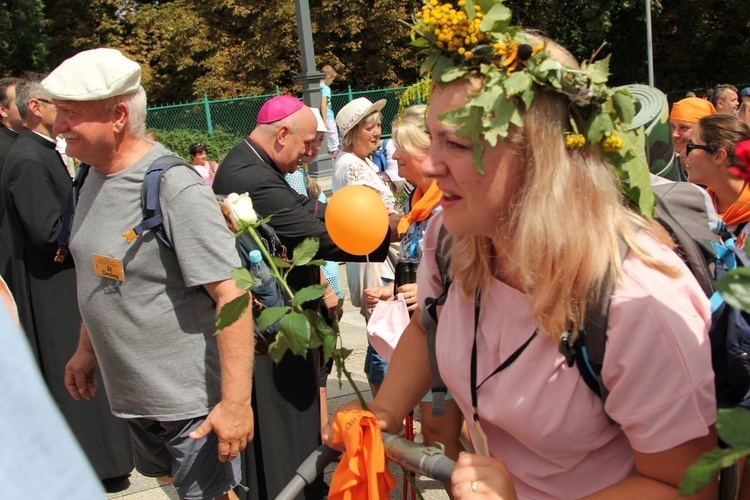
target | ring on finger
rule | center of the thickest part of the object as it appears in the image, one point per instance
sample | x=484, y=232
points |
x=473, y=486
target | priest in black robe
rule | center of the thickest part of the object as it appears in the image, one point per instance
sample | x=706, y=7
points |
x=10, y=124
x=285, y=396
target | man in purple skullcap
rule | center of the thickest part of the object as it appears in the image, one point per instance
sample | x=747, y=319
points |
x=285, y=395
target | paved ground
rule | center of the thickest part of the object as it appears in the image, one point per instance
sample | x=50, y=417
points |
x=353, y=337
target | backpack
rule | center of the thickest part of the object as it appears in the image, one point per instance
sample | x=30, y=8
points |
x=152, y=221
x=380, y=157
x=681, y=209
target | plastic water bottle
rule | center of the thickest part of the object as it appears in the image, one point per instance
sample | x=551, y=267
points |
x=260, y=271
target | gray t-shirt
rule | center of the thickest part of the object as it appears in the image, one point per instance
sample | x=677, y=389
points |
x=153, y=333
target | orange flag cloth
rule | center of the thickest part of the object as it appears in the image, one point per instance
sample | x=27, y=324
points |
x=422, y=206
x=739, y=210
x=362, y=473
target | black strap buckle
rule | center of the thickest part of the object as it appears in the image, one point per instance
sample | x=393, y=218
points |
x=567, y=349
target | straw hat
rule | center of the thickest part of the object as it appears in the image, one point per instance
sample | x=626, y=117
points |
x=354, y=112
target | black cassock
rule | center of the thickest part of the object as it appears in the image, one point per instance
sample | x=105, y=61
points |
x=285, y=396
x=34, y=187
x=7, y=138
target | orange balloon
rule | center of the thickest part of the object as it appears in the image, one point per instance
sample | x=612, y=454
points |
x=356, y=219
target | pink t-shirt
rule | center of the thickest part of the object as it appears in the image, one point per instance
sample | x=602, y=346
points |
x=538, y=414
x=205, y=173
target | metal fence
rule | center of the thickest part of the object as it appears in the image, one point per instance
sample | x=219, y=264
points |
x=237, y=116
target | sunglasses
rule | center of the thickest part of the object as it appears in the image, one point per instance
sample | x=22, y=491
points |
x=690, y=146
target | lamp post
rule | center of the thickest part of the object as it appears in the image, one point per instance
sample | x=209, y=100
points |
x=310, y=80
x=649, y=44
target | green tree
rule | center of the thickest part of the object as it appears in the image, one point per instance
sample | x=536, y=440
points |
x=76, y=25
x=23, y=45
x=584, y=27
x=365, y=41
x=701, y=43
x=226, y=49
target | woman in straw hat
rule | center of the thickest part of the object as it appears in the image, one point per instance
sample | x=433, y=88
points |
x=528, y=150
x=359, y=124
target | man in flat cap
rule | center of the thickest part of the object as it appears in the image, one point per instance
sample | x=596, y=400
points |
x=34, y=186
x=148, y=311
x=285, y=396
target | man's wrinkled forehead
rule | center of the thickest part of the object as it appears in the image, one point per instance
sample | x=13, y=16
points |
x=94, y=111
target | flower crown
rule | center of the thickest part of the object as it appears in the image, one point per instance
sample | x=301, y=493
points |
x=476, y=36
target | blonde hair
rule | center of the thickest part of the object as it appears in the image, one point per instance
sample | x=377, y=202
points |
x=408, y=131
x=744, y=112
x=313, y=187
x=557, y=249
x=329, y=72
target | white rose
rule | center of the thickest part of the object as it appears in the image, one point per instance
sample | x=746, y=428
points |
x=241, y=210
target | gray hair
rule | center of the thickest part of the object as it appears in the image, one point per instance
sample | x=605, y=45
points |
x=720, y=92
x=29, y=88
x=136, y=103
x=348, y=139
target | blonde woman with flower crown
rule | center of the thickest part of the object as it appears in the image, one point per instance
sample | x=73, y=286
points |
x=529, y=169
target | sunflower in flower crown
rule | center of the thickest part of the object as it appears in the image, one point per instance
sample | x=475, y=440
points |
x=476, y=36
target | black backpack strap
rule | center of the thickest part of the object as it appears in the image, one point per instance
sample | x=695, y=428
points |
x=63, y=240
x=152, y=214
x=587, y=352
x=429, y=320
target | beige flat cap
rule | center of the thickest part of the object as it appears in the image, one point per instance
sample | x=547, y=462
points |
x=93, y=75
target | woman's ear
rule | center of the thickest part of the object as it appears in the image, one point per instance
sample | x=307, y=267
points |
x=720, y=156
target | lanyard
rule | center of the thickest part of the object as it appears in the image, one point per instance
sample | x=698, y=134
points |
x=474, y=387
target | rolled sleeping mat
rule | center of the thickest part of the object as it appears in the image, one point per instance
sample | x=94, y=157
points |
x=652, y=113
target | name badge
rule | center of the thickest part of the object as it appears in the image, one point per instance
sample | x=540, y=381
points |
x=108, y=267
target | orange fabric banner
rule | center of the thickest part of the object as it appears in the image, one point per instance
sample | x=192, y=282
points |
x=422, y=206
x=739, y=210
x=362, y=473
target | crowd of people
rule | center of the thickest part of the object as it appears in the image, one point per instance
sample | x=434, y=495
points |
x=523, y=199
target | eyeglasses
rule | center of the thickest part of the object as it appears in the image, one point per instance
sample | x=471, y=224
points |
x=690, y=146
x=45, y=101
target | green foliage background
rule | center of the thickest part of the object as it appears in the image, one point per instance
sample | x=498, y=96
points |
x=231, y=48
x=179, y=141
